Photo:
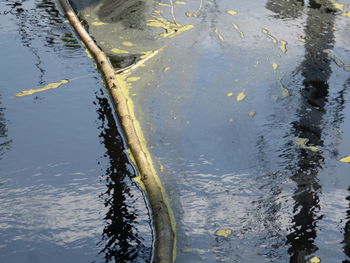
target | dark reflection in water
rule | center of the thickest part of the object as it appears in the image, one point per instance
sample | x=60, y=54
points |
x=120, y=239
x=4, y=142
x=315, y=72
x=346, y=240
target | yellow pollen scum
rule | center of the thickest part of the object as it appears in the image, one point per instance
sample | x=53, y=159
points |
x=216, y=31
x=53, y=85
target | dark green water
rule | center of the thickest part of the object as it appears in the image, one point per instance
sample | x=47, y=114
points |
x=273, y=179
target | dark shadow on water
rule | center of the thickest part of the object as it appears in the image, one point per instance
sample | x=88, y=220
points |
x=120, y=239
x=346, y=240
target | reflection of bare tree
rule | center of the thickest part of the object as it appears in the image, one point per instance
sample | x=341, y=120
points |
x=120, y=239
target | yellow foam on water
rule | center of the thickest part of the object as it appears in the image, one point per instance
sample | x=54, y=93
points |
x=128, y=44
x=266, y=32
x=315, y=260
x=53, y=85
x=346, y=14
x=229, y=94
x=179, y=2
x=171, y=29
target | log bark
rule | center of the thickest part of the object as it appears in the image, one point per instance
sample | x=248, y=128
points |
x=164, y=242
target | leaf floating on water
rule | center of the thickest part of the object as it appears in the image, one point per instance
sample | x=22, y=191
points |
x=301, y=142
x=252, y=113
x=274, y=66
x=315, y=260
x=283, y=46
x=241, y=96
x=232, y=12
x=223, y=232
x=346, y=14
x=133, y=79
x=218, y=34
x=179, y=2
x=119, y=51
x=238, y=29
x=345, y=159
x=98, y=23
x=53, y=85
x=230, y=94
x=190, y=14
x=285, y=92
x=128, y=44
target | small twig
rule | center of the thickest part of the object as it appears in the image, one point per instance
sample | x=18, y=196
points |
x=172, y=11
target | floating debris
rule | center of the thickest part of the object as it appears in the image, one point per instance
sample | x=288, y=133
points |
x=232, y=12
x=163, y=4
x=283, y=46
x=179, y=2
x=285, y=92
x=252, y=113
x=128, y=44
x=266, y=32
x=345, y=159
x=171, y=29
x=230, y=94
x=274, y=66
x=119, y=51
x=315, y=260
x=190, y=14
x=346, y=14
x=301, y=142
x=98, y=23
x=223, y=232
x=53, y=85
x=165, y=69
x=218, y=34
x=235, y=26
x=241, y=96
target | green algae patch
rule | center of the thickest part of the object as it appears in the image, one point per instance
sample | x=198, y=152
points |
x=53, y=85
x=216, y=31
x=241, y=96
x=223, y=232
x=236, y=27
x=345, y=159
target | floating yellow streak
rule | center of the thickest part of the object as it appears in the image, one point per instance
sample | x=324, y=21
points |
x=98, y=23
x=252, y=113
x=53, y=85
x=301, y=142
x=132, y=79
x=163, y=4
x=218, y=34
x=337, y=5
x=229, y=94
x=274, y=66
x=128, y=44
x=232, y=12
x=345, y=159
x=190, y=14
x=165, y=69
x=241, y=96
x=315, y=260
x=283, y=46
x=346, y=14
x=119, y=51
x=171, y=29
x=223, y=232
x=179, y=2
x=266, y=32
x=158, y=12
x=238, y=29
